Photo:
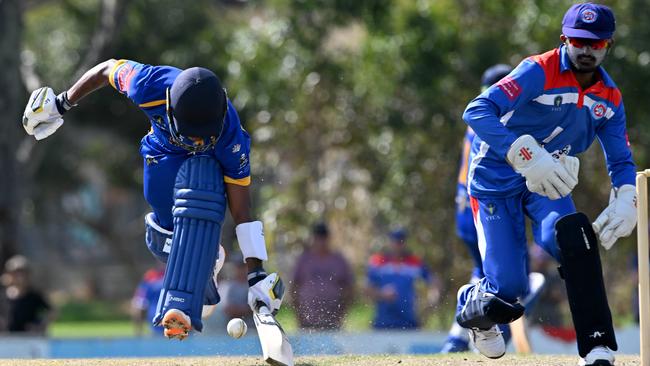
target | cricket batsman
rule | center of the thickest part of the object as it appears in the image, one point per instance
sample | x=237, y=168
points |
x=196, y=159
x=529, y=126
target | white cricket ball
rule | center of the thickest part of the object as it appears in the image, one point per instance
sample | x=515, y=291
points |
x=236, y=328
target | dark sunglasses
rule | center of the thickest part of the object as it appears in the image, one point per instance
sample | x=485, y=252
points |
x=594, y=44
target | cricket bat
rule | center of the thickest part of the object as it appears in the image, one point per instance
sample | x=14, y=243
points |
x=519, y=336
x=276, y=348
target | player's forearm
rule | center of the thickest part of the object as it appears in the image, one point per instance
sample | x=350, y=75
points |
x=93, y=79
x=482, y=116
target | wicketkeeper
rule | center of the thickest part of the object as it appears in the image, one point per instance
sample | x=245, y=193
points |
x=528, y=127
x=196, y=156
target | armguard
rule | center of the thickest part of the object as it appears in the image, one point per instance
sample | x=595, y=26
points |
x=250, y=236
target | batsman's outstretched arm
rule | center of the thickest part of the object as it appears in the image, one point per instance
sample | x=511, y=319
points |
x=44, y=110
x=91, y=80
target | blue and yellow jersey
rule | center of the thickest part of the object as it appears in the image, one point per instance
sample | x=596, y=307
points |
x=541, y=97
x=146, y=86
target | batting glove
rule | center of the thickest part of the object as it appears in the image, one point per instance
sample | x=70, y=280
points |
x=544, y=175
x=267, y=292
x=619, y=218
x=44, y=111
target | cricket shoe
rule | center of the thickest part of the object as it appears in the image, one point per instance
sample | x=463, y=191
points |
x=598, y=356
x=177, y=324
x=489, y=342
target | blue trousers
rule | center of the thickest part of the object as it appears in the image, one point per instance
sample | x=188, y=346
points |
x=160, y=169
x=501, y=230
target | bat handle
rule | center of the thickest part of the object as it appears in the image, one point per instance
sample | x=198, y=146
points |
x=262, y=309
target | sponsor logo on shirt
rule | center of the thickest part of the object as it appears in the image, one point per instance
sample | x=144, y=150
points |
x=509, y=87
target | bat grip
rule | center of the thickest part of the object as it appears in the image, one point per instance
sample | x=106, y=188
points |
x=262, y=308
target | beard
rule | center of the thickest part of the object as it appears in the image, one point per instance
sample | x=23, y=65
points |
x=585, y=60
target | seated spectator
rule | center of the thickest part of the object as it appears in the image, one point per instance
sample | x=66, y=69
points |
x=145, y=300
x=391, y=282
x=322, y=286
x=28, y=310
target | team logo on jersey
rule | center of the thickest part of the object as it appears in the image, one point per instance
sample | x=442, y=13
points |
x=557, y=101
x=236, y=148
x=598, y=110
x=588, y=16
x=491, y=208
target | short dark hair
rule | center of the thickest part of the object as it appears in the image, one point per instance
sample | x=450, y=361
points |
x=320, y=229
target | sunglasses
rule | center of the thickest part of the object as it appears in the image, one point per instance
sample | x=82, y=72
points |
x=594, y=44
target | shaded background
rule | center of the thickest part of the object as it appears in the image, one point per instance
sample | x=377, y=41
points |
x=353, y=106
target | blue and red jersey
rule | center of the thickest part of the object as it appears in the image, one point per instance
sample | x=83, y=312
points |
x=401, y=273
x=541, y=97
x=147, y=294
x=146, y=87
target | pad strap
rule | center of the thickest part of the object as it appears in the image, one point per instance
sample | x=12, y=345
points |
x=251, y=240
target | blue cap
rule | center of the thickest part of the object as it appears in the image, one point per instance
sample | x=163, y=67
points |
x=494, y=73
x=593, y=21
x=398, y=235
x=197, y=103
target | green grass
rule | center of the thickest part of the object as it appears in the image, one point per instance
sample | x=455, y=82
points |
x=91, y=329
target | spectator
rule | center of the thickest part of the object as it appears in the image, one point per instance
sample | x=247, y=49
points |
x=28, y=311
x=392, y=277
x=145, y=299
x=323, y=282
x=233, y=289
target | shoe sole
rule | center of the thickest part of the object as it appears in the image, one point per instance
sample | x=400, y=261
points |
x=176, y=326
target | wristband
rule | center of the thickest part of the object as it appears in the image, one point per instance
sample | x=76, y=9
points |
x=63, y=103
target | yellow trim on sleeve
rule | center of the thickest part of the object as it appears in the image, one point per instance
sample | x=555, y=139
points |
x=240, y=182
x=153, y=103
x=111, y=74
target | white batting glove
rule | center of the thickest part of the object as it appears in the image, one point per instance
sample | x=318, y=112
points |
x=619, y=218
x=42, y=117
x=267, y=292
x=544, y=175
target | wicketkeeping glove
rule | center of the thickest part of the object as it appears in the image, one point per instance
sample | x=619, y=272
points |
x=544, y=174
x=619, y=218
x=43, y=113
x=267, y=292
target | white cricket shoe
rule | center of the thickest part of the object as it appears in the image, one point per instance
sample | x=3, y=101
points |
x=489, y=342
x=598, y=356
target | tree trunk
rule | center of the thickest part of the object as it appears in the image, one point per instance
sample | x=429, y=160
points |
x=11, y=102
